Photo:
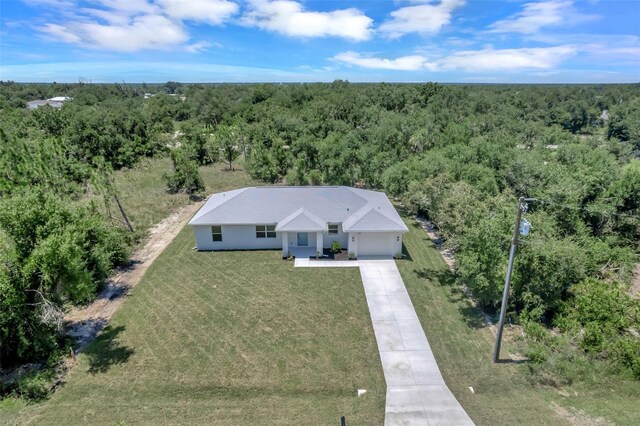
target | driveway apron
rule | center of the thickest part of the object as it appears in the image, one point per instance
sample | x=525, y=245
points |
x=416, y=391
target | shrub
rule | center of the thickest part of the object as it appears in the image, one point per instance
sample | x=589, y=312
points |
x=336, y=247
x=35, y=385
x=544, y=270
x=51, y=252
x=626, y=353
x=598, y=312
x=186, y=176
x=315, y=177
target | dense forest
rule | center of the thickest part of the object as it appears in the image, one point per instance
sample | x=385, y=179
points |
x=459, y=155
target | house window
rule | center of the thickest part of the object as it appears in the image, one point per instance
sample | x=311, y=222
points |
x=265, y=231
x=333, y=229
x=216, y=233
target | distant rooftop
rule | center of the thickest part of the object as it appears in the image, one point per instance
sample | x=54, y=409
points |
x=60, y=99
x=55, y=102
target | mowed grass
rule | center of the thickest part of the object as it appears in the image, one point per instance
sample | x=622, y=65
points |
x=463, y=345
x=143, y=189
x=228, y=338
x=243, y=338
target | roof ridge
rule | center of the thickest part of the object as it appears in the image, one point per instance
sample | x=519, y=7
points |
x=355, y=191
x=357, y=215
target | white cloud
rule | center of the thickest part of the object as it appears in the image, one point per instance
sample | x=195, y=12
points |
x=403, y=63
x=289, y=18
x=133, y=25
x=424, y=19
x=212, y=11
x=541, y=58
x=110, y=16
x=621, y=52
x=58, y=32
x=143, y=32
x=538, y=15
x=198, y=47
x=129, y=6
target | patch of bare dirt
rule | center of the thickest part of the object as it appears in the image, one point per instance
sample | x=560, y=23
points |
x=578, y=417
x=85, y=323
x=435, y=237
x=635, y=283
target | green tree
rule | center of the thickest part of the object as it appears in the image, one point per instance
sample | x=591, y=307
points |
x=230, y=141
x=624, y=122
x=262, y=165
x=481, y=263
x=51, y=252
x=186, y=176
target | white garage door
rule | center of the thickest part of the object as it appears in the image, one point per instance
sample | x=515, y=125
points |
x=375, y=244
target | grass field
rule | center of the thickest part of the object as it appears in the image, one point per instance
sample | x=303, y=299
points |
x=243, y=338
x=144, y=191
x=228, y=338
x=463, y=345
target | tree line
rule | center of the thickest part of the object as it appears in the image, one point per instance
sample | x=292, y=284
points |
x=460, y=155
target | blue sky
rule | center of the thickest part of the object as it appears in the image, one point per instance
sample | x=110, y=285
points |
x=546, y=41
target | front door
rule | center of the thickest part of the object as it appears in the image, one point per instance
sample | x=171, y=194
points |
x=303, y=239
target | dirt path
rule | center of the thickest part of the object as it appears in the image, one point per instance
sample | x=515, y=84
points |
x=435, y=237
x=85, y=323
x=511, y=331
x=635, y=283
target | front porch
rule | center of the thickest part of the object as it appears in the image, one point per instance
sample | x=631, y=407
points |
x=302, y=243
x=302, y=252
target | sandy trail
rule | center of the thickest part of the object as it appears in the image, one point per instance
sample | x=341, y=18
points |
x=635, y=283
x=85, y=323
x=435, y=237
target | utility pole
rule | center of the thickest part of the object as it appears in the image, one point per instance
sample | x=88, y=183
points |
x=507, y=281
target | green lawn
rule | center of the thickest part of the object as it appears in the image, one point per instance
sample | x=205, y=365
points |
x=244, y=338
x=463, y=345
x=228, y=338
x=143, y=190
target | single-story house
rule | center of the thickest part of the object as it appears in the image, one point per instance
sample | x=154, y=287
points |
x=300, y=220
x=55, y=102
x=42, y=102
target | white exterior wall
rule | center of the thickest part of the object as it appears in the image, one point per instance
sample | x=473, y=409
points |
x=327, y=239
x=319, y=241
x=353, y=244
x=235, y=237
x=341, y=237
x=397, y=244
x=243, y=237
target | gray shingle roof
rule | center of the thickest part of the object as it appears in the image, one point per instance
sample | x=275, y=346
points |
x=358, y=210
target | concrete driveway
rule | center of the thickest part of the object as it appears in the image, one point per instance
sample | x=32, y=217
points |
x=416, y=391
